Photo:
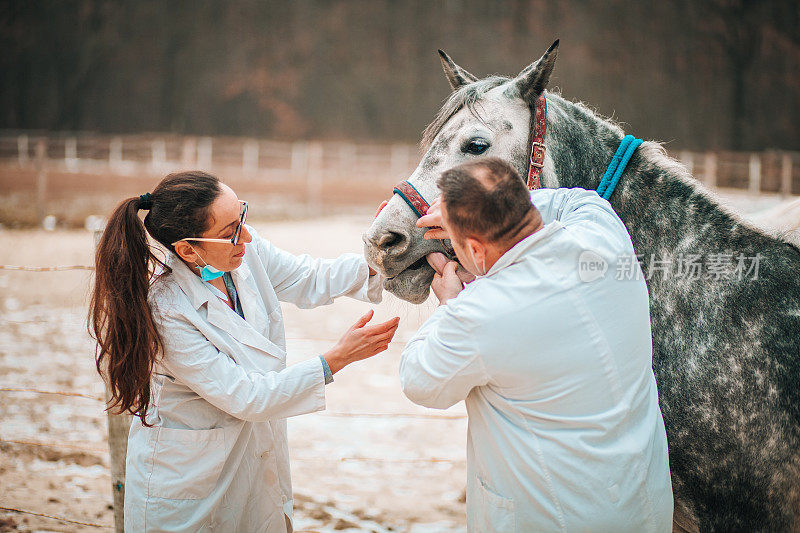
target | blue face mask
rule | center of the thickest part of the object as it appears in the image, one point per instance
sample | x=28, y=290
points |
x=207, y=273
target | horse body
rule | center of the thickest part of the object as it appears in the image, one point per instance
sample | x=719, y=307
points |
x=726, y=351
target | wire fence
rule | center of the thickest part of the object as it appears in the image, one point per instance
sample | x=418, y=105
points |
x=46, y=269
x=21, y=389
x=59, y=518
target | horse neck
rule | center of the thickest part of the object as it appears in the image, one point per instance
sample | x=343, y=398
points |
x=579, y=143
x=656, y=197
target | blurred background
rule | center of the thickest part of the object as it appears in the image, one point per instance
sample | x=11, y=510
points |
x=312, y=110
x=323, y=102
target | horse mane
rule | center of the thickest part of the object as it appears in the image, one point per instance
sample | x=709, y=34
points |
x=465, y=96
x=654, y=153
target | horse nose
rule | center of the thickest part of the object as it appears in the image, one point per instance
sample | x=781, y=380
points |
x=389, y=241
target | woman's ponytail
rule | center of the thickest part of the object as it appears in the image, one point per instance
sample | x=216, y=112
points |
x=120, y=318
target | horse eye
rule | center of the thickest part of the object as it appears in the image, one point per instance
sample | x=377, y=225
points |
x=476, y=146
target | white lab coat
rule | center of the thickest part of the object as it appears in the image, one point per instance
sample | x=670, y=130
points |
x=565, y=432
x=216, y=458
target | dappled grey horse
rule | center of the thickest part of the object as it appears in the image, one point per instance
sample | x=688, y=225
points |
x=726, y=346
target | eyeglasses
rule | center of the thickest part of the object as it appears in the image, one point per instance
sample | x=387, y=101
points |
x=235, y=240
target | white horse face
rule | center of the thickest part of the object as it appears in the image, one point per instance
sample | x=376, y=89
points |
x=482, y=118
x=393, y=244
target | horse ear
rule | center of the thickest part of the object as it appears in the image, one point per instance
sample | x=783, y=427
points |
x=533, y=79
x=456, y=75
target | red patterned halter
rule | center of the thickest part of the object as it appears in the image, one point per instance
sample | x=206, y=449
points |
x=537, y=144
x=420, y=206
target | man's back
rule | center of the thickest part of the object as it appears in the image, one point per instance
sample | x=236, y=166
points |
x=553, y=354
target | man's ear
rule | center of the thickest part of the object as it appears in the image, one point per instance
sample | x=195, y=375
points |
x=185, y=251
x=476, y=247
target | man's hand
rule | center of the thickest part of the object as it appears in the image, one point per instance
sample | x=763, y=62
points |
x=446, y=284
x=438, y=261
x=433, y=220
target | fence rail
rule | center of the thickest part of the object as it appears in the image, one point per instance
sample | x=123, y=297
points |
x=243, y=157
x=314, y=161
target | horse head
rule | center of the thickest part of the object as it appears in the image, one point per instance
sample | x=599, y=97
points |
x=487, y=117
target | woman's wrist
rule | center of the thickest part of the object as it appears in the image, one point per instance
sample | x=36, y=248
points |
x=336, y=361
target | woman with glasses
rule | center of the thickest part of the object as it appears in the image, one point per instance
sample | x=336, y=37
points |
x=194, y=347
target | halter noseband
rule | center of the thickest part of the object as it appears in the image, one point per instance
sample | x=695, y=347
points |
x=412, y=197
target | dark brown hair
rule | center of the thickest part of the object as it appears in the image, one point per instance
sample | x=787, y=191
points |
x=120, y=318
x=486, y=198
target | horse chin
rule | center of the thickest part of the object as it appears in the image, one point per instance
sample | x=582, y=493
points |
x=412, y=284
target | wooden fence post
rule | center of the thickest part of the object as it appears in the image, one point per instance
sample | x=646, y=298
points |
x=204, y=154
x=250, y=157
x=189, y=153
x=115, y=153
x=710, y=173
x=71, y=154
x=754, y=180
x=299, y=162
x=687, y=159
x=118, y=428
x=22, y=150
x=314, y=178
x=786, y=174
x=158, y=152
x=41, y=180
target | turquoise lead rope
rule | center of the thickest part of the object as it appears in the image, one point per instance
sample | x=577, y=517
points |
x=617, y=166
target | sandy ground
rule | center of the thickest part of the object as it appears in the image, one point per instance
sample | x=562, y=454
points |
x=397, y=470
x=389, y=472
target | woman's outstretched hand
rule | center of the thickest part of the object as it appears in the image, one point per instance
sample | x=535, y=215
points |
x=361, y=342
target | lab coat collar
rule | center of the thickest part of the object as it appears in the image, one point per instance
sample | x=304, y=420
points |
x=252, y=331
x=194, y=287
x=513, y=254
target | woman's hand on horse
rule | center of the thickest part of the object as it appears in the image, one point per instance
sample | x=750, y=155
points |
x=361, y=341
x=433, y=220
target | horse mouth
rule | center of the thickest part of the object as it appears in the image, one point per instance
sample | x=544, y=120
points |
x=412, y=283
x=416, y=265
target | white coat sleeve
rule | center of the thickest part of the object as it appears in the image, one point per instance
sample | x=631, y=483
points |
x=582, y=208
x=190, y=358
x=308, y=282
x=441, y=364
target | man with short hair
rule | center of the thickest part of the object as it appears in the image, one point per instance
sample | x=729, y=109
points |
x=552, y=354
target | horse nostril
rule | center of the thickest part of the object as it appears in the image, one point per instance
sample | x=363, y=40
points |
x=390, y=239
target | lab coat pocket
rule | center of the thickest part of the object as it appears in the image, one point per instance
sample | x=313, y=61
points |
x=187, y=463
x=493, y=512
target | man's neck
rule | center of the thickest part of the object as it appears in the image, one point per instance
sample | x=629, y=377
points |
x=496, y=252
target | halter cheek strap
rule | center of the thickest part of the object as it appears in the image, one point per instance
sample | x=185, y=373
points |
x=412, y=197
x=537, y=144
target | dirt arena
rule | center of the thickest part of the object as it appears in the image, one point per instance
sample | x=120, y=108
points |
x=391, y=467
